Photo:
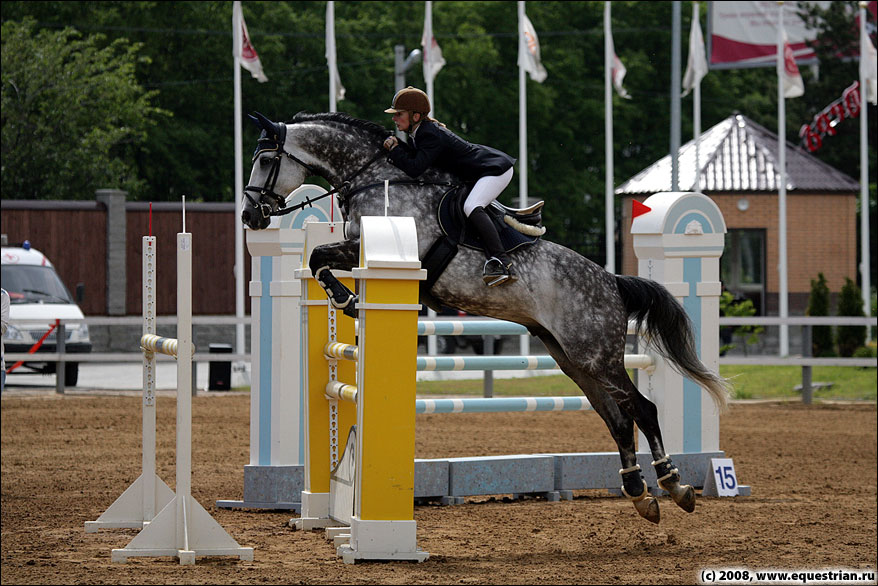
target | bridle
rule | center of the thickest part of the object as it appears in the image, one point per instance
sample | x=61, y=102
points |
x=275, y=144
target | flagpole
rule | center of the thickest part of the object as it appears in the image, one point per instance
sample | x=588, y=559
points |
x=696, y=114
x=782, y=188
x=428, y=53
x=608, y=145
x=522, y=113
x=675, y=95
x=524, y=340
x=330, y=50
x=239, y=184
x=865, y=266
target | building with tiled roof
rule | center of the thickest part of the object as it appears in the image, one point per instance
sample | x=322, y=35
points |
x=737, y=167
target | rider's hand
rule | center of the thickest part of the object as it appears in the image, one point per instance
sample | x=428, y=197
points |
x=391, y=143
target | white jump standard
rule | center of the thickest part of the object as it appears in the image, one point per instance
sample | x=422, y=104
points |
x=182, y=528
x=147, y=495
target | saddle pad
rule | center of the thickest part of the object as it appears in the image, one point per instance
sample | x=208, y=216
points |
x=452, y=221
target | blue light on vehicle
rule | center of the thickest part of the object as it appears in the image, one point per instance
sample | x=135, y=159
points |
x=26, y=245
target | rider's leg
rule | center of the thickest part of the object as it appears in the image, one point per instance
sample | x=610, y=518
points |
x=498, y=268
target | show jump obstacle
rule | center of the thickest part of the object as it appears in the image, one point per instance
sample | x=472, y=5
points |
x=370, y=488
x=182, y=528
x=678, y=243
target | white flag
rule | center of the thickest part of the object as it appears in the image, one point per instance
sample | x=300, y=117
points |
x=245, y=51
x=869, y=65
x=432, y=53
x=793, y=86
x=330, y=51
x=529, y=55
x=618, y=71
x=696, y=68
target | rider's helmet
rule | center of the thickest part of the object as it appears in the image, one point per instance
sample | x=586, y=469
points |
x=411, y=99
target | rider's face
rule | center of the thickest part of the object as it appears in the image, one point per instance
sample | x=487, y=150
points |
x=403, y=120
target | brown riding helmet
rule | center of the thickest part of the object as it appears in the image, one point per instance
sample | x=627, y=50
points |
x=411, y=99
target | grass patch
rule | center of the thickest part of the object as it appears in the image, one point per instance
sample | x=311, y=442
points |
x=749, y=382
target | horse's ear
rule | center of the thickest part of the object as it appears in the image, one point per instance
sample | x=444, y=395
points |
x=254, y=119
x=264, y=122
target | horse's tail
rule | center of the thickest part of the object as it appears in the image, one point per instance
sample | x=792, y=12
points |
x=670, y=331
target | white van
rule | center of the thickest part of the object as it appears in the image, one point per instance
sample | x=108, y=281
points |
x=37, y=293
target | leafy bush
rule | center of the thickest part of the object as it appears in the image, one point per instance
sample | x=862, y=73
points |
x=818, y=305
x=729, y=306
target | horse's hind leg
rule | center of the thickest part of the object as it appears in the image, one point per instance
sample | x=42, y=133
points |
x=620, y=424
x=645, y=415
x=339, y=255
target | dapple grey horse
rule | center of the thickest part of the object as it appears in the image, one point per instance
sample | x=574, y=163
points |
x=577, y=309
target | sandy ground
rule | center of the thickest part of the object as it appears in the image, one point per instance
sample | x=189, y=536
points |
x=813, y=506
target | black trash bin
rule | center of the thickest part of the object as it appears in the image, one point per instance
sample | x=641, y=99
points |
x=220, y=373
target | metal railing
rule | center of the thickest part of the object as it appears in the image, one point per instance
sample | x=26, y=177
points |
x=805, y=360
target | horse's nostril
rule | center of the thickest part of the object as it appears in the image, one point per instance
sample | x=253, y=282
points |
x=245, y=217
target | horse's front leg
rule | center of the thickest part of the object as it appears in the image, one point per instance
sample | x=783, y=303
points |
x=342, y=256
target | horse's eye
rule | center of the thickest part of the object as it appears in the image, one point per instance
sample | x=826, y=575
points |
x=264, y=161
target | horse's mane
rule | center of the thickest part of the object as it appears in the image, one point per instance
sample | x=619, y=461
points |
x=376, y=130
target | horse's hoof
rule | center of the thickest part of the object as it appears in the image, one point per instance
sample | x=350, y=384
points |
x=648, y=509
x=685, y=497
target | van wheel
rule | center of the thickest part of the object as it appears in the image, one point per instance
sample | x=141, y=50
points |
x=71, y=373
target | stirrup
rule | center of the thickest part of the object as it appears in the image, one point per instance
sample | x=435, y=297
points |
x=495, y=272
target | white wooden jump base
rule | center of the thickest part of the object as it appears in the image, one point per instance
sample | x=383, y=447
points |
x=182, y=528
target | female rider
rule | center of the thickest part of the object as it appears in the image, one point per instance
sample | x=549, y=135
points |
x=432, y=144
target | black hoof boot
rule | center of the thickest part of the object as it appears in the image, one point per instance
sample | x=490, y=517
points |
x=340, y=296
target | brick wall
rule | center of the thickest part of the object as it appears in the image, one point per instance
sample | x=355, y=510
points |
x=821, y=237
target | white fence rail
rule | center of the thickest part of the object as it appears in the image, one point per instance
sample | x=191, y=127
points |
x=805, y=361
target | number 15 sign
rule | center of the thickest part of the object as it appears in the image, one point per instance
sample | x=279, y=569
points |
x=721, y=479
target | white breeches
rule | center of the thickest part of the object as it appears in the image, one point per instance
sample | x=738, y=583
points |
x=486, y=190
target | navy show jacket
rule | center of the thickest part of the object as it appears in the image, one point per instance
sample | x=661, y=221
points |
x=436, y=146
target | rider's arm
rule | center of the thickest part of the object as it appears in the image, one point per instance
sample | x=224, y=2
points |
x=415, y=161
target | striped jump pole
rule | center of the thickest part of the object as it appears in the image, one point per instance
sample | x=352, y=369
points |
x=182, y=528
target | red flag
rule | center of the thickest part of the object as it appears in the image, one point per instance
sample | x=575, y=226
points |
x=638, y=209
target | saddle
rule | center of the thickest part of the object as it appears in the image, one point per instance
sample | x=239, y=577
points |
x=516, y=227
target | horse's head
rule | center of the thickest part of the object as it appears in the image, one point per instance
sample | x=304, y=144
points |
x=276, y=173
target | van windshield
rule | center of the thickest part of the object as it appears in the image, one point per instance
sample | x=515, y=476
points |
x=33, y=284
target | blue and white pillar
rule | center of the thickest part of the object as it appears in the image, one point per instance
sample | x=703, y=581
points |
x=274, y=476
x=678, y=243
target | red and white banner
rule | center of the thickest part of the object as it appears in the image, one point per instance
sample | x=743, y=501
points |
x=744, y=34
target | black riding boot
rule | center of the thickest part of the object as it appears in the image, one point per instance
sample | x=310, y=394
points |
x=498, y=268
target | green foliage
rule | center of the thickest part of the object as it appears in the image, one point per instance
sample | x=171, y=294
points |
x=72, y=113
x=748, y=382
x=186, y=56
x=850, y=303
x=729, y=307
x=818, y=305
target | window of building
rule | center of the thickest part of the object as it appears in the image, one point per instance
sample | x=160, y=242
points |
x=742, y=266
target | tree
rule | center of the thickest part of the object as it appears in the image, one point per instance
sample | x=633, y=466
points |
x=850, y=302
x=818, y=305
x=72, y=113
